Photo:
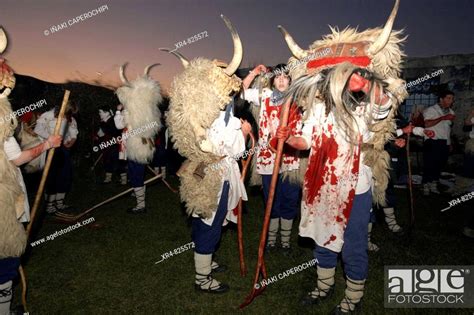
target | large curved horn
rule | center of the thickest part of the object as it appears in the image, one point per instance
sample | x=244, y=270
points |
x=147, y=69
x=183, y=60
x=384, y=36
x=3, y=40
x=122, y=74
x=296, y=50
x=238, y=51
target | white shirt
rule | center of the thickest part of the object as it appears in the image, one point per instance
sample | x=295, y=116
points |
x=318, y=116
x=46, y=123
x=13, y=151
x=228, y=141
x=442, y=129
x=417, y=131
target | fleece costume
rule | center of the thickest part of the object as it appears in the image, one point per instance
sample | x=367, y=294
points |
x=12, y=197
x=204, y=131
x=140, y=121
x=348, y=166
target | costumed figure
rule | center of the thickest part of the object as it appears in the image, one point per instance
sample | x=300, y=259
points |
x=106, y=133
x=287, y=194
x=349, y=97
x=28, y=139
x=140, y=119
x=398, y=166
x=161, y=146
x=60, y=176
x=204, y=130
x=13, y=199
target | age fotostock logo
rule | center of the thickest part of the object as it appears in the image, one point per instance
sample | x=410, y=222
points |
x=429, y=287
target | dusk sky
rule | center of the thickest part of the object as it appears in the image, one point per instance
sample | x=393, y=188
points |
x=132, y=31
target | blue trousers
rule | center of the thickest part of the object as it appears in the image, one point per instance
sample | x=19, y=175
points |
x=136, y=173
x=287, y=197
x=206, y=237
x=9, y=268
x=354, y=250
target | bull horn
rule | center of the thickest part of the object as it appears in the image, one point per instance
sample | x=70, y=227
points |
x=122, y=75
x=296, y=50
x=3, y=40
x=238, y=51
x=147, y=69
x=183, y=60
x=384, y=36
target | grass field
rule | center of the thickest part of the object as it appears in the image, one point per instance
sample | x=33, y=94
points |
x=111, y=269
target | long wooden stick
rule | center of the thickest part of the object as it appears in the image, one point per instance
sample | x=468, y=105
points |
x=164, y=181
x=23, y=288
x=80, y=215
x=97, y=161
x=240, y=235
x=410, y=188
x=39, y=193
x=261, y=269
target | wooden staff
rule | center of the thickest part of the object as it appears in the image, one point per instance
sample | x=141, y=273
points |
x=164, y=181
x=245, y=164
x=97, y=161
x=39, y=193
x=410, y=188
x=80, y=215
x=261, y=269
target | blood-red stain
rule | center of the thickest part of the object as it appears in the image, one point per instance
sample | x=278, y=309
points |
x=332, y=238
x=325, y=152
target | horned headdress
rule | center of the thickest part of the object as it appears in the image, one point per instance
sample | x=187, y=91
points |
x=198, y=94
x=140, y=99
x=321, y=74
x=12, y=198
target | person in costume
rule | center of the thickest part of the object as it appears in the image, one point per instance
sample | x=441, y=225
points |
x=439, y=118
x=286, y=201
x=60, y=175
x=204, y=130
x=140, y=119
x=395, y=148
x=161, y=144
x=349, y=97
x=14, y=208
x=107, y=131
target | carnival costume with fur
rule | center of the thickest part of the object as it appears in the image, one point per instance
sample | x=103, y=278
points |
x=12, y=198
x=141, y=121
x=346, y=132
x=203, y=129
